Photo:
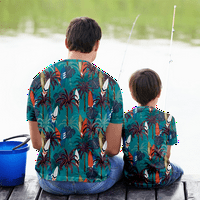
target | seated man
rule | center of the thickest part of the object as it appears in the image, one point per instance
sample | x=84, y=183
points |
x=77, y=111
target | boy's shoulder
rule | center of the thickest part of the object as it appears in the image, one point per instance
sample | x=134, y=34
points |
x=141, y=113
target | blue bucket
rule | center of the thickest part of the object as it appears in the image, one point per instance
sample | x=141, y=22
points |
x=13, y=161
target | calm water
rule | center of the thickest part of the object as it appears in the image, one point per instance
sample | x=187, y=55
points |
x=24, y=56
x=32, y=35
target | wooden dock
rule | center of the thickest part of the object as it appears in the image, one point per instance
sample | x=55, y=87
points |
x=187, y=188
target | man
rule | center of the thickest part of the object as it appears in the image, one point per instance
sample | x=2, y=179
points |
x=75, y=114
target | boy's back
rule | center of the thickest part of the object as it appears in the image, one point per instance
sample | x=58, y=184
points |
x=146, y=134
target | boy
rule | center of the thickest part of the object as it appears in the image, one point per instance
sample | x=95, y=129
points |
x=148, y=135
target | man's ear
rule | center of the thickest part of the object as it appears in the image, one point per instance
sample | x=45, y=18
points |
x=66, y=43
x=96, y=45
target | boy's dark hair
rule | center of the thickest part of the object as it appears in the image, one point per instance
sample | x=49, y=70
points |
x=145, y=85
x=82, y=33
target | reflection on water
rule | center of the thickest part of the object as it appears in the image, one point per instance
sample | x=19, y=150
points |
x=115, y=17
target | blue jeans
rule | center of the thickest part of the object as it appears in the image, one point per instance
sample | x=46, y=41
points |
x=67, y=188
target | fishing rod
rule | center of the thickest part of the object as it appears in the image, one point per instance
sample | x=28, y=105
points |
x=170, y=54
x=127, y=46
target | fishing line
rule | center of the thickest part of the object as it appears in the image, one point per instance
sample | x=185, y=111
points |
x=170, y=54
x=127, y=47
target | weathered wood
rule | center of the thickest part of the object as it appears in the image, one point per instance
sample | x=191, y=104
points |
x=140, y=194
x=116, y=192
x=85, y=197
x=5, y=192
x=26, y=191
x=48, y=196
x=172, y=192
x=31, y=190
x=187, y=177
x=193, y=190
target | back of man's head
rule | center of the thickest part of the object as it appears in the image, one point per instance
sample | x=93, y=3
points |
x=82, y=33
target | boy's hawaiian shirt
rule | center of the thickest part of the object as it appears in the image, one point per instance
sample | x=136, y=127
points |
x=146, y=134
x=73, y=103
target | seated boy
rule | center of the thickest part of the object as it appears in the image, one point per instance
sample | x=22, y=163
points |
x=148, y=135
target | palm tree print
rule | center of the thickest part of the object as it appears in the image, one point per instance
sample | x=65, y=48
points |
x=136, y=177
x=136, y=129
x=111, y=83
x=101, y=101
x=66, y=99
x=102, y=161
x=91, y=128
x=151, y=169
x=66, y=160
x=83, y=87
x=43, y=161
x=84, y=146
x=91, y=69
x=54, y=77
x=53, y=140
x=152, y=120
x=43, y=101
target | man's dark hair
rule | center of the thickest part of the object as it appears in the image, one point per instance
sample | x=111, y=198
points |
x=82, y=33
x=145, y=85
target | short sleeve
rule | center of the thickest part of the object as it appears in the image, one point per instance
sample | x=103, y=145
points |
x=117, y=109
x=30, y=112
x=172, y=137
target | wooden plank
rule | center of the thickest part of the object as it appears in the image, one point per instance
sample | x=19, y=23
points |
x=140, y=194
x=48, y=196
x=172, y=192
x=5, y=192
x=116, y=192
x=26, y=191
x=85, y=197
x=193, y=190
x=190, y=177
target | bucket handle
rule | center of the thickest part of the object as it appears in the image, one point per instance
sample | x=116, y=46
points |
x=23, y=135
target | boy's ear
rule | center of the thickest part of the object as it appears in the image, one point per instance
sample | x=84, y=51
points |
x=159, y=94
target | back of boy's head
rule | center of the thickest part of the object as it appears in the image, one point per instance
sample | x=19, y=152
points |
x=82, y=33
x=145, y=85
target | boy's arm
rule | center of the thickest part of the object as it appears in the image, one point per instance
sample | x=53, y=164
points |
x=113, y=137
x=168, y=151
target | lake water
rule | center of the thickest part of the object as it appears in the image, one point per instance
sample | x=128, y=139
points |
x=23, y=56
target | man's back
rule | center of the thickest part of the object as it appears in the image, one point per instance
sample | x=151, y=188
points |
x=73, y=102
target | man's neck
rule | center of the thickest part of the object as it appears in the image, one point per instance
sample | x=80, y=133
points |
x=80, y=56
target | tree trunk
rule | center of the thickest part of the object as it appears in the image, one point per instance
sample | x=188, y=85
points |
x=42, y=111
x=67, y=173
x=84, y=162
x=50, y=95
x=101, y=112
x=108, y=93
x=67, y=115
x=84, y=101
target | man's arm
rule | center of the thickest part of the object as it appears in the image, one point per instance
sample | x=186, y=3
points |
x=168, y=151
x=113, y=137
x=35, y=135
